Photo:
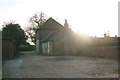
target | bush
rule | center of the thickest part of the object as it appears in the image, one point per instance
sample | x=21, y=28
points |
x=26, y=48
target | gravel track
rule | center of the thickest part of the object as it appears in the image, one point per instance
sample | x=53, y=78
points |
x=36, y=66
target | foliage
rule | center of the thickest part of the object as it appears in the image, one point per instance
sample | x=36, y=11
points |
x=15, y=32
x=36, y=22
x=26, y=47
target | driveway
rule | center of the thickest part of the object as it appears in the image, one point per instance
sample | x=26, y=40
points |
x=30, y=65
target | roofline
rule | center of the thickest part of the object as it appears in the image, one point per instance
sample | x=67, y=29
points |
x=49, y=29
x=46, y=29
x=56, y=21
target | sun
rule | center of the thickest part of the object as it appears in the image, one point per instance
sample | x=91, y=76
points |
x=84, y=30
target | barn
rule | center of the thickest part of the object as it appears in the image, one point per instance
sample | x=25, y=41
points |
x=55, y=39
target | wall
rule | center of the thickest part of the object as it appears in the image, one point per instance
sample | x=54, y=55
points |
x=105, y=52
x=58, y=48
x=8, y=49
x=63, y=48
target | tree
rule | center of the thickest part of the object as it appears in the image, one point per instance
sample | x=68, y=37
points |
x=36, y=21
x=14, y=31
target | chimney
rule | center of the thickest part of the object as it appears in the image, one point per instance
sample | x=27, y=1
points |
x=105, y=35
x=66, y=24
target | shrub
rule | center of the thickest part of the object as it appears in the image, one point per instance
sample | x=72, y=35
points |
x=26, y=48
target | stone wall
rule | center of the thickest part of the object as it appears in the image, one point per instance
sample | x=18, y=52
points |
x=63, y=48
x=105, y=52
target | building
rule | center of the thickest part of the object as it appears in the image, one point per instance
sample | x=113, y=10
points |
x=55, y=39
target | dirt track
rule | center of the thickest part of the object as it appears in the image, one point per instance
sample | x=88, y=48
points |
x=28, y=65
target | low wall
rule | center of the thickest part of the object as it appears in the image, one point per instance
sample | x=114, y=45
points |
x=105, y=52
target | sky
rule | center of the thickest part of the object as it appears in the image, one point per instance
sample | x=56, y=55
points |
x=92, y=17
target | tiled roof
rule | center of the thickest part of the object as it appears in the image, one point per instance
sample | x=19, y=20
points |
x=50, y=35
x=58, y=35
x=51, y=24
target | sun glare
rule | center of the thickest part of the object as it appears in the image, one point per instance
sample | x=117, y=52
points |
x=87, y=31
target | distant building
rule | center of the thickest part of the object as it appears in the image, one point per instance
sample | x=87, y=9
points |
x=55, y=39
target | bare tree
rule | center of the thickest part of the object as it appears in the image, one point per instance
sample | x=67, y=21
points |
x=38, y=18
x=36, y=21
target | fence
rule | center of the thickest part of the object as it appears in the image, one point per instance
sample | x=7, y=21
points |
x=8, y=48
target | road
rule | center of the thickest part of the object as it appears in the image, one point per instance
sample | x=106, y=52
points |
x=30, y=65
